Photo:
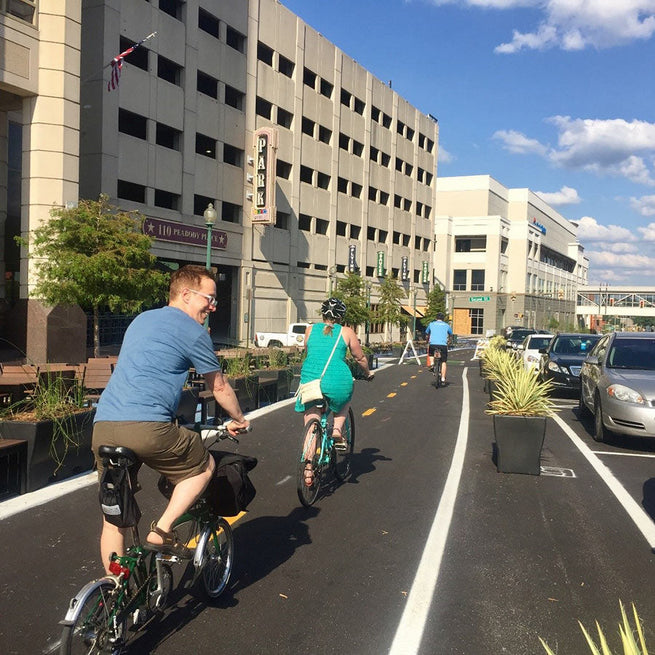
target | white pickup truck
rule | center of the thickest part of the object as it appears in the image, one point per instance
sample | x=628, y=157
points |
x=294, y=336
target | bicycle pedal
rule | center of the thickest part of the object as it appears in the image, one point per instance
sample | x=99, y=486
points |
x=166, y=557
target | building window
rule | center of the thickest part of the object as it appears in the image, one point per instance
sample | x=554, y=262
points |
x=385, y=159
x=168, y=70
x=397, y=201
x=284, y=118
x=234, y=97
x=264, y=53
x=324, y=135
x=322, y=180
x=230, y=213
x=207, y=22
x=172, y=8
x=373, y=154
x=459, y=280
x=399, y=164
x=132, y=124
x=370, y=233
x=408, y=169
x=477, y=280
x=358, y=148
x=410, y=134
x=356, y=190
x=305, y=222
x=285, y=66
x=355, y=231
x=384, y=198
x=168, y=136
x=400, y=127
x=207, y=85
x=421, y=140
x=309, y=78
x=407, y=205
x=396, y=238
x=345, y=97
x=342, y=185
x=200, y=203
x=326, y=88
x=322, y=226
x=344, y=141
x=375, y=114
x=360, y=106
x=232, y=155
x=372, y=193
x=138, y=57
x=382, y=236
x=477, y=320
x=235, y=40
x=131, y=191
x=341, y=228
x=21, y=9
x=206, y=146
x=386, y=121
x=308, y=126
x=166, y=199
x=306, y=174
x=282, y=220
x=263, y=108
x=283, y=169
x=406, y=238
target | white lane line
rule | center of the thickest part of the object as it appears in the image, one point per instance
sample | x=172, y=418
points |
x=639, y=517
x=607, y=452
x=285, y=479
x=412, y=623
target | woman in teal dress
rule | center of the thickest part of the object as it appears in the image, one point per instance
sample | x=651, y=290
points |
x=337, y=382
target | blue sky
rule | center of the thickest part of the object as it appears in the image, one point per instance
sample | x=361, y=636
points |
x=554, y=95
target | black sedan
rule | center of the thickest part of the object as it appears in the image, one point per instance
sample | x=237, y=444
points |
x=562, y=360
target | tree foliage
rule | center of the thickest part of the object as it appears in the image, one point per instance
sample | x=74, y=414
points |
x=352, y=291
x=96, y=256
x=436, y=305
x=389, y=310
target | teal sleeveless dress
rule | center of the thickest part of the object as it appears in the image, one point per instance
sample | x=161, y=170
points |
x=337, y=383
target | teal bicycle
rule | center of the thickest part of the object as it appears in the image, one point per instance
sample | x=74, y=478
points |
x=105, y=612
x=319, y=456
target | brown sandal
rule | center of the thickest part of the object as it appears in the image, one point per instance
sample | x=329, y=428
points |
x=170, y=545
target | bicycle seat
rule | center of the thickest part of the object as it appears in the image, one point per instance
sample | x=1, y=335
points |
x=116, y=453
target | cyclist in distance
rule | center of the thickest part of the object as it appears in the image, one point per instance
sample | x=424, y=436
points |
x=438, y=333
x=337, y=383
x=139, y=405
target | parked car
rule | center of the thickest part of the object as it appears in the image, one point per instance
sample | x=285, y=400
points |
x=294, y=336
x=562, y=359
x=529, y=350
x=618, y=385
x=515, y=336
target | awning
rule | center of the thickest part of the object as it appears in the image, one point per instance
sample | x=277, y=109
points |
x=410, y=310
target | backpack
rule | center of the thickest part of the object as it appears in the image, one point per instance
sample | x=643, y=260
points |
x=117, y=499
x=230, y=490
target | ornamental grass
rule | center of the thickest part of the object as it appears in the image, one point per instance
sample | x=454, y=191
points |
x=632, y=639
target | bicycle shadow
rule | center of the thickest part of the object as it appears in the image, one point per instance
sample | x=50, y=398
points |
x=363, y=463
x=283, y=535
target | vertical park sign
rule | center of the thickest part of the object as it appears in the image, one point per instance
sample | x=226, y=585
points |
x=264, y=179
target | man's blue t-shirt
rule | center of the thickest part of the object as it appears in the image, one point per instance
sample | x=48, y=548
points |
x=438, y=332
x=159, y=347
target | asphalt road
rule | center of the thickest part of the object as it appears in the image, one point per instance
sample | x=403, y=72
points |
x=501, y=559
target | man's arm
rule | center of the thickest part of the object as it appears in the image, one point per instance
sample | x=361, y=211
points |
x=225, y=397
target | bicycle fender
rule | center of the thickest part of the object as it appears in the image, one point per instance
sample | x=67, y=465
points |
x=77, y=602
x=199, y=552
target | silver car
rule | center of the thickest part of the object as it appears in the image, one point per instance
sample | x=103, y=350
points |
x=618, y=385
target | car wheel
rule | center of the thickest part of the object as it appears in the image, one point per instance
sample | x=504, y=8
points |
x=601, y=433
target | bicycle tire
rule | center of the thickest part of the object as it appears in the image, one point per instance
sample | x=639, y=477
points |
x=342, y=459
x=312, y=437
x=93, y=630
x=218, y=559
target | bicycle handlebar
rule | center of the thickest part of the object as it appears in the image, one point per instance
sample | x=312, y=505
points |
x=217, y=432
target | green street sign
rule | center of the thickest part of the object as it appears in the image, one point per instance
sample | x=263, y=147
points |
x=479, y=298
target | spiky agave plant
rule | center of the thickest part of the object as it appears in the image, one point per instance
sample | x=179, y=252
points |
x=520, y=393
x=630, y=644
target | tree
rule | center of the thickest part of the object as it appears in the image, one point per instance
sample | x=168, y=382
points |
x=389, y=310
x=96, y=256
x=436, y=305
x=351, y=290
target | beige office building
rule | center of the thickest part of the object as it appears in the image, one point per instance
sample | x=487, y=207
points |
x=505, y=257
x=351, y=179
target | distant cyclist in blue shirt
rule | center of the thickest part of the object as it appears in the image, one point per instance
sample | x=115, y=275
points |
x=438, y=332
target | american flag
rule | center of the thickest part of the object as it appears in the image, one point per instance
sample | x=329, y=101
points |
x=117, y=63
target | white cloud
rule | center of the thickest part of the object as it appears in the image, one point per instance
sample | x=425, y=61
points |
x=565, y=196
x=648, y=232
x=444, y=157
x=518, y=143
x=613, y=147
x=589, y=229
x=644, y=205
x=619, y=266
x=575, y=24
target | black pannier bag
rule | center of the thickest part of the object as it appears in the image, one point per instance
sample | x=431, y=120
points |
x=117, y=499
x=230, y=491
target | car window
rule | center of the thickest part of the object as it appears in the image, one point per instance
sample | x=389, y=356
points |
x=574, y=344
x=536, y=343
x=600, y=348
x=632, y=354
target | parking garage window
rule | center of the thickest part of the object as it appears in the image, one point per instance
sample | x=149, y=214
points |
x=132, y=124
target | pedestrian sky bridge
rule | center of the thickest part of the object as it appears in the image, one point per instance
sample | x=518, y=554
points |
x=605, y=301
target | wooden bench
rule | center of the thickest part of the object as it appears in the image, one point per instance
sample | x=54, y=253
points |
x=96, y=374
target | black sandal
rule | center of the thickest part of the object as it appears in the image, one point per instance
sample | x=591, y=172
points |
x=170, y=545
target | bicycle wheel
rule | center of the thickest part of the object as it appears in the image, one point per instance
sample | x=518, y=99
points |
x=310, y=452
x=93, y=631
x=218, y=559
x=341, y=459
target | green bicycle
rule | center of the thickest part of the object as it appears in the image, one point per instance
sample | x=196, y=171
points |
x=104, y=613
x=317, y=450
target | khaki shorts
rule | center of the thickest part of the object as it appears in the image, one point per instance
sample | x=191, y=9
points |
x=173, y=451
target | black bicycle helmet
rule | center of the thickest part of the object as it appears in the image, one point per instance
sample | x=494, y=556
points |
x=334, y=309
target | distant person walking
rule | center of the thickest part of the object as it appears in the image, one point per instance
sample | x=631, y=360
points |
x=439, y=332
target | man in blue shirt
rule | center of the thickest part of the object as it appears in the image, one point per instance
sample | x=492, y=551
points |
x=438, y=332
x=139, y=405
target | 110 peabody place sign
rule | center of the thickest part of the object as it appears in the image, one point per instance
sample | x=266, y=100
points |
x=195, y=235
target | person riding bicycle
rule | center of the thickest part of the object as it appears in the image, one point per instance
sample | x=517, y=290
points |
x=139, y=405
x=439, y=332
x=337, y=383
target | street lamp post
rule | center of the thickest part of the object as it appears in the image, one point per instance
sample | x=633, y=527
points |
x=415, y=292
x=210, y=218
x=368, y=309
